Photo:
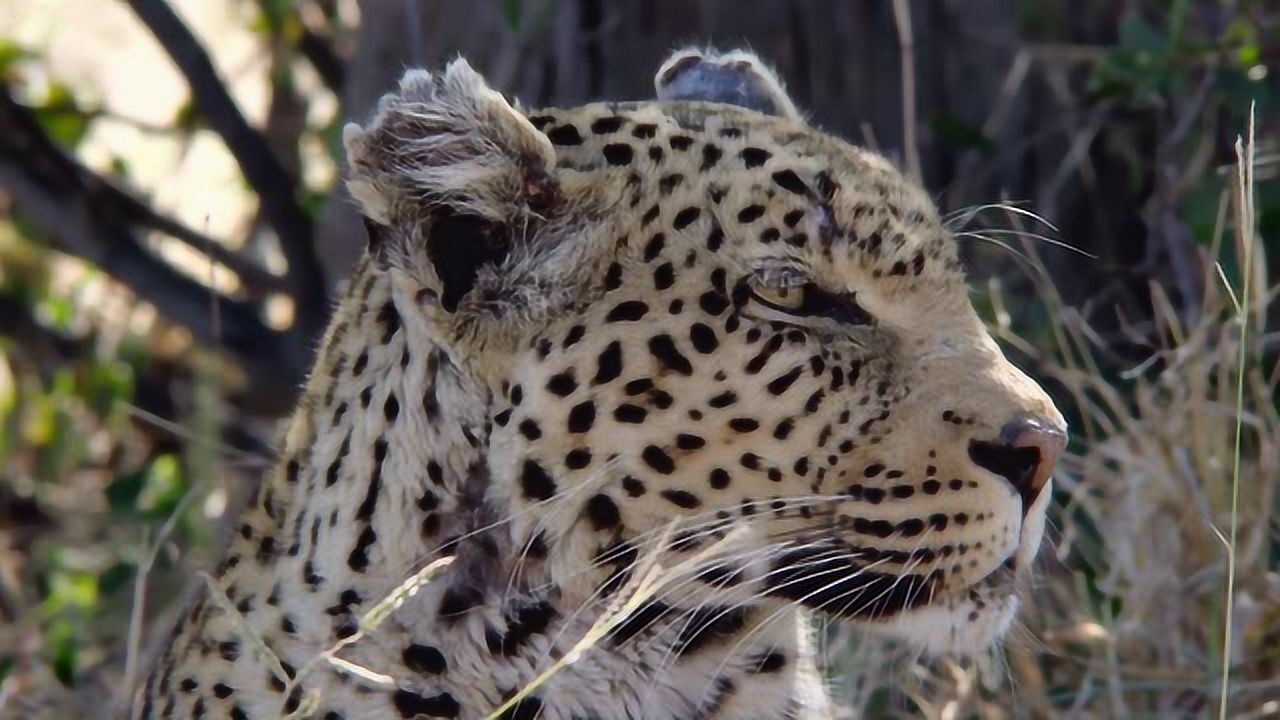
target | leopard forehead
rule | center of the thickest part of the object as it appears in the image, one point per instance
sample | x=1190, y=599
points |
x=762, y=189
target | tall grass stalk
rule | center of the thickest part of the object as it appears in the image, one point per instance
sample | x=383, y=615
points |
x=1244, y=231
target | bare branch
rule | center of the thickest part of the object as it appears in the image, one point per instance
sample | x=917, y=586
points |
x=87, y=220
x=318, y=51
x=264, y=172
x=906, y=48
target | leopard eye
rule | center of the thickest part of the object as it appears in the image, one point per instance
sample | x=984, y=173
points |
x=810, y=301
x=788, y=299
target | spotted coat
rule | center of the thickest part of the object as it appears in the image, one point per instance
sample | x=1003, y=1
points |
x=590, y=342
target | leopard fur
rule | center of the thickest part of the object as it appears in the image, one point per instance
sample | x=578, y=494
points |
x=588, y=341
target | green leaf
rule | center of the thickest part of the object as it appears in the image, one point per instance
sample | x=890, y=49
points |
x=64, y=641
x=61, y=115
x=10, y=54
x=164, y=487
x=122, y=493
x=116, y=577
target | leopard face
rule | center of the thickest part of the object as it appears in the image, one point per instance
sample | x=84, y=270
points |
x=692, y=312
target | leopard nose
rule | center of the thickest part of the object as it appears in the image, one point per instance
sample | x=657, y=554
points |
x=1024, y=454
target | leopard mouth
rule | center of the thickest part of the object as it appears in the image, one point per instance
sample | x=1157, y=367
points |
x=843, y=584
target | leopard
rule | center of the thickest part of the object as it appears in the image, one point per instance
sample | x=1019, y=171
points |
x=618, y=400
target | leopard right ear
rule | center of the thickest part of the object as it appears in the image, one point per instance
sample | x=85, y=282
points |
x=736, y=77
x=443, y=172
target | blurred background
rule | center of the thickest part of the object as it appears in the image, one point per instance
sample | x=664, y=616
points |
x=172, y=231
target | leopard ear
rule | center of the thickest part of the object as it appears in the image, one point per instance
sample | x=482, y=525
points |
x=737, y=77
x=442, y=171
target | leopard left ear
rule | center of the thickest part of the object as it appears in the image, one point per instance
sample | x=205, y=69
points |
x=442, y=172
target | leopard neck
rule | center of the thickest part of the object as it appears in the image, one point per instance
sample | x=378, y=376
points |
x=384, y=469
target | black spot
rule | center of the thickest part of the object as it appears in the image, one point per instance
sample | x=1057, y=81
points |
x=602, y=512
x=425, y=659
x=713, y=303
x=658, y=459
x=358, y=560
x=754, y=157
x=564, y=135
x=724, y=399
x=638, y=386
x=645, y=131
x=715, y=238
x=769, y=662
x=792, y=217
x=442, y=705
x=655, y=153
x=229, y=650
x=663, y=347
x=750, y=213
x=635, y=488
x=572, y=337
x=681, y=498
x=629, y=311
x=783, y=429
x=618, y=153
x=669, y=182
x=744, y=425
x=707, y=624
x=629, y=413
x=703, y=338
x=710, y=156
x=613, y=278
x=390, y=321
x=608, y=364
x=680, y=142
x=685, y=218
x=664, y=276
x=458, y=600
x=606, y=125
x=719, y=479
x=789, y=181
x=769, y=235
x=529, y=428
x=640, y=619
x=782, y=383
x=582, y=417
x=222, y=691
x=649, y=216
x=577, y=458
x=688, y=441
x=362, y=361
x=391, y=408
x=562, y=384
x=653, y=248
x=535, y=482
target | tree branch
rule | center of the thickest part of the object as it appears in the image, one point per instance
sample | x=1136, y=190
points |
x=261, y=168
x=328, y=65
x=72, y=206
